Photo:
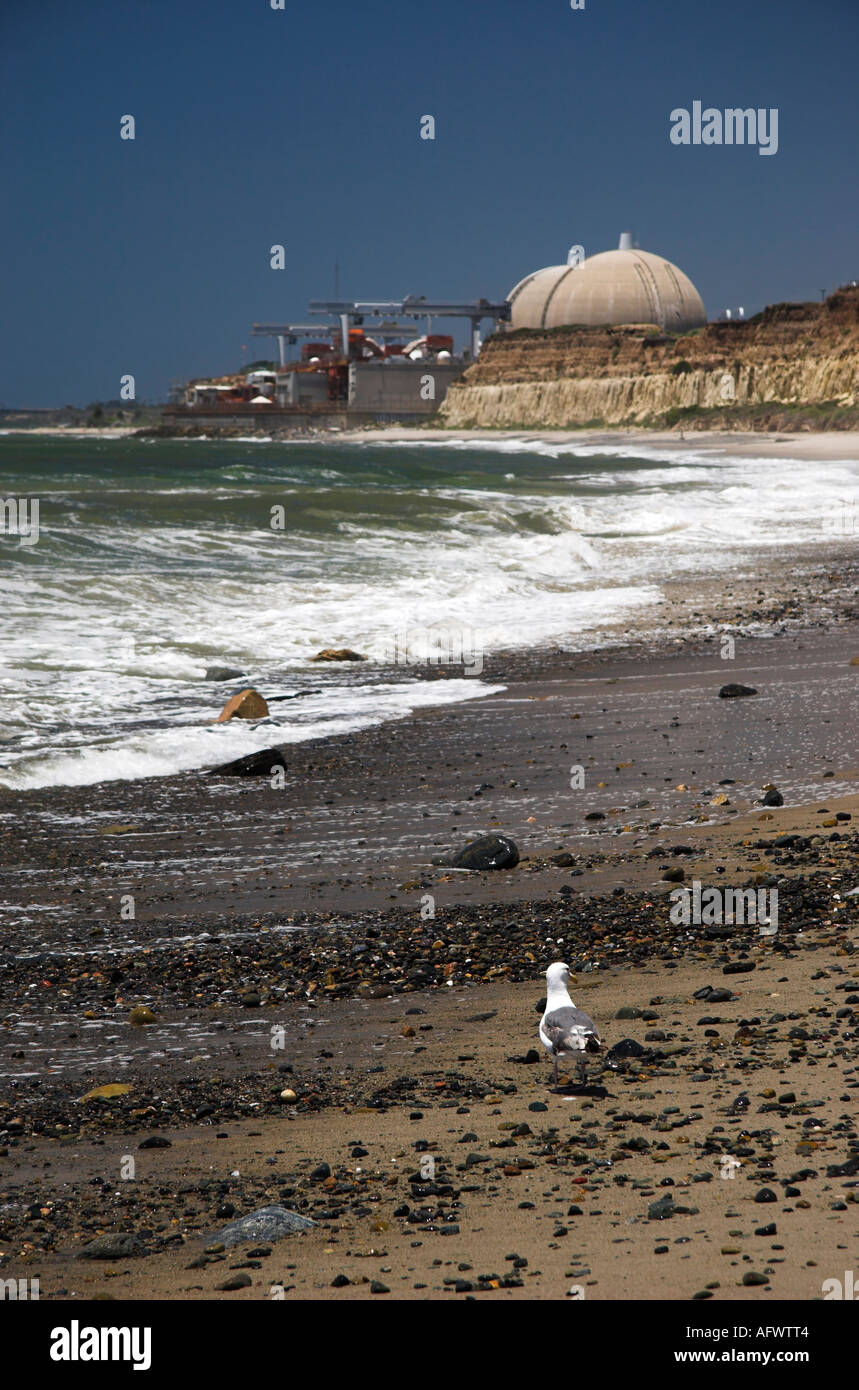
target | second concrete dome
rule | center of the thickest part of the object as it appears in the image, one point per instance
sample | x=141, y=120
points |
x=623, y=286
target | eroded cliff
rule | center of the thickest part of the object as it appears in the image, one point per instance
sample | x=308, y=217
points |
x=788, y=359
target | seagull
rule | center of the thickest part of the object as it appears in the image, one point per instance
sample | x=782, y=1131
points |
x=563, y=1027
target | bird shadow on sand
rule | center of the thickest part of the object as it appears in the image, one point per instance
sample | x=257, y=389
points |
x=593, y=1091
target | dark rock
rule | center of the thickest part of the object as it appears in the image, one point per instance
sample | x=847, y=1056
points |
x=321, y=1173
x=661, y=1210
x=766, y=1194
x=714, y=995
x=155, y=1141
x=530, y=1057
x=676, y=875
x=844, y=1170
x=237, y=1281
x=772, y=798
x=267, y=1223
x=666, y=1207
x=378, y=1287
x=252, y=765
x=769, y=1230
x=223, y=673
x=733, y=691
x=738, y=967
x=294, y=695
x=752, y=1279
x=627, y=1047
x=115, y=1245
x=489, y=852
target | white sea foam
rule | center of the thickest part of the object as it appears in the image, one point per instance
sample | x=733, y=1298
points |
x=182, y=748
x=110, y=621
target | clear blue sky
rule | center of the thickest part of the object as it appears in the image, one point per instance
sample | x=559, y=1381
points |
x=301, y=127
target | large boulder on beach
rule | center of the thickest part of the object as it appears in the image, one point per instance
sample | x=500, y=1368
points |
x=338, y=654
x=260, y=764
x=489, y=852
x=248, y=704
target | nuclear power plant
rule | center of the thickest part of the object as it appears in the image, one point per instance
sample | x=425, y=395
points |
x=365, y=364
x=616, y=287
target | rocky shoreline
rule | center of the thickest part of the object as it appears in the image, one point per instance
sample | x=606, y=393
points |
x=326, y=1000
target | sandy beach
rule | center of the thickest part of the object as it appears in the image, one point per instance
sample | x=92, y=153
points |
x=832, y=444
x=840, y=444
x=332, y=1004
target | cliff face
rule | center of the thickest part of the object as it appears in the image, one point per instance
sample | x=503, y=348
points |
x=792, y=354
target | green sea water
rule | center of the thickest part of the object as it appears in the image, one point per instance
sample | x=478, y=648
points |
x=153, y=559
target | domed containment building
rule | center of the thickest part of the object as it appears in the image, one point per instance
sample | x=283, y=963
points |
x=614, y=287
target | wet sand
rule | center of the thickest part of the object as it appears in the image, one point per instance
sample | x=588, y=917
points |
x=831, y=444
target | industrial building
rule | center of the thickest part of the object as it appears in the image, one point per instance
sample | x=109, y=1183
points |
x=365, y=366
x=365, y=363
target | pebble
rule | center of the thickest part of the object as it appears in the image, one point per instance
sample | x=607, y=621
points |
x=237, y=1281
x=141, y=1016
x=115, y=1245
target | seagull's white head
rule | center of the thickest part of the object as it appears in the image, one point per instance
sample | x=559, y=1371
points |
x=558, y=975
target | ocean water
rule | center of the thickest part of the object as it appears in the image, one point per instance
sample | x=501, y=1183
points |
x=157, y=558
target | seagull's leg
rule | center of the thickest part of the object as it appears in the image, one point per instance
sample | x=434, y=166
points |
x=555, y=1057
x=583, y=1069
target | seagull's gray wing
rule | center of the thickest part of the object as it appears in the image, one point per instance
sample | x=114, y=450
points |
x=570, y=1029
